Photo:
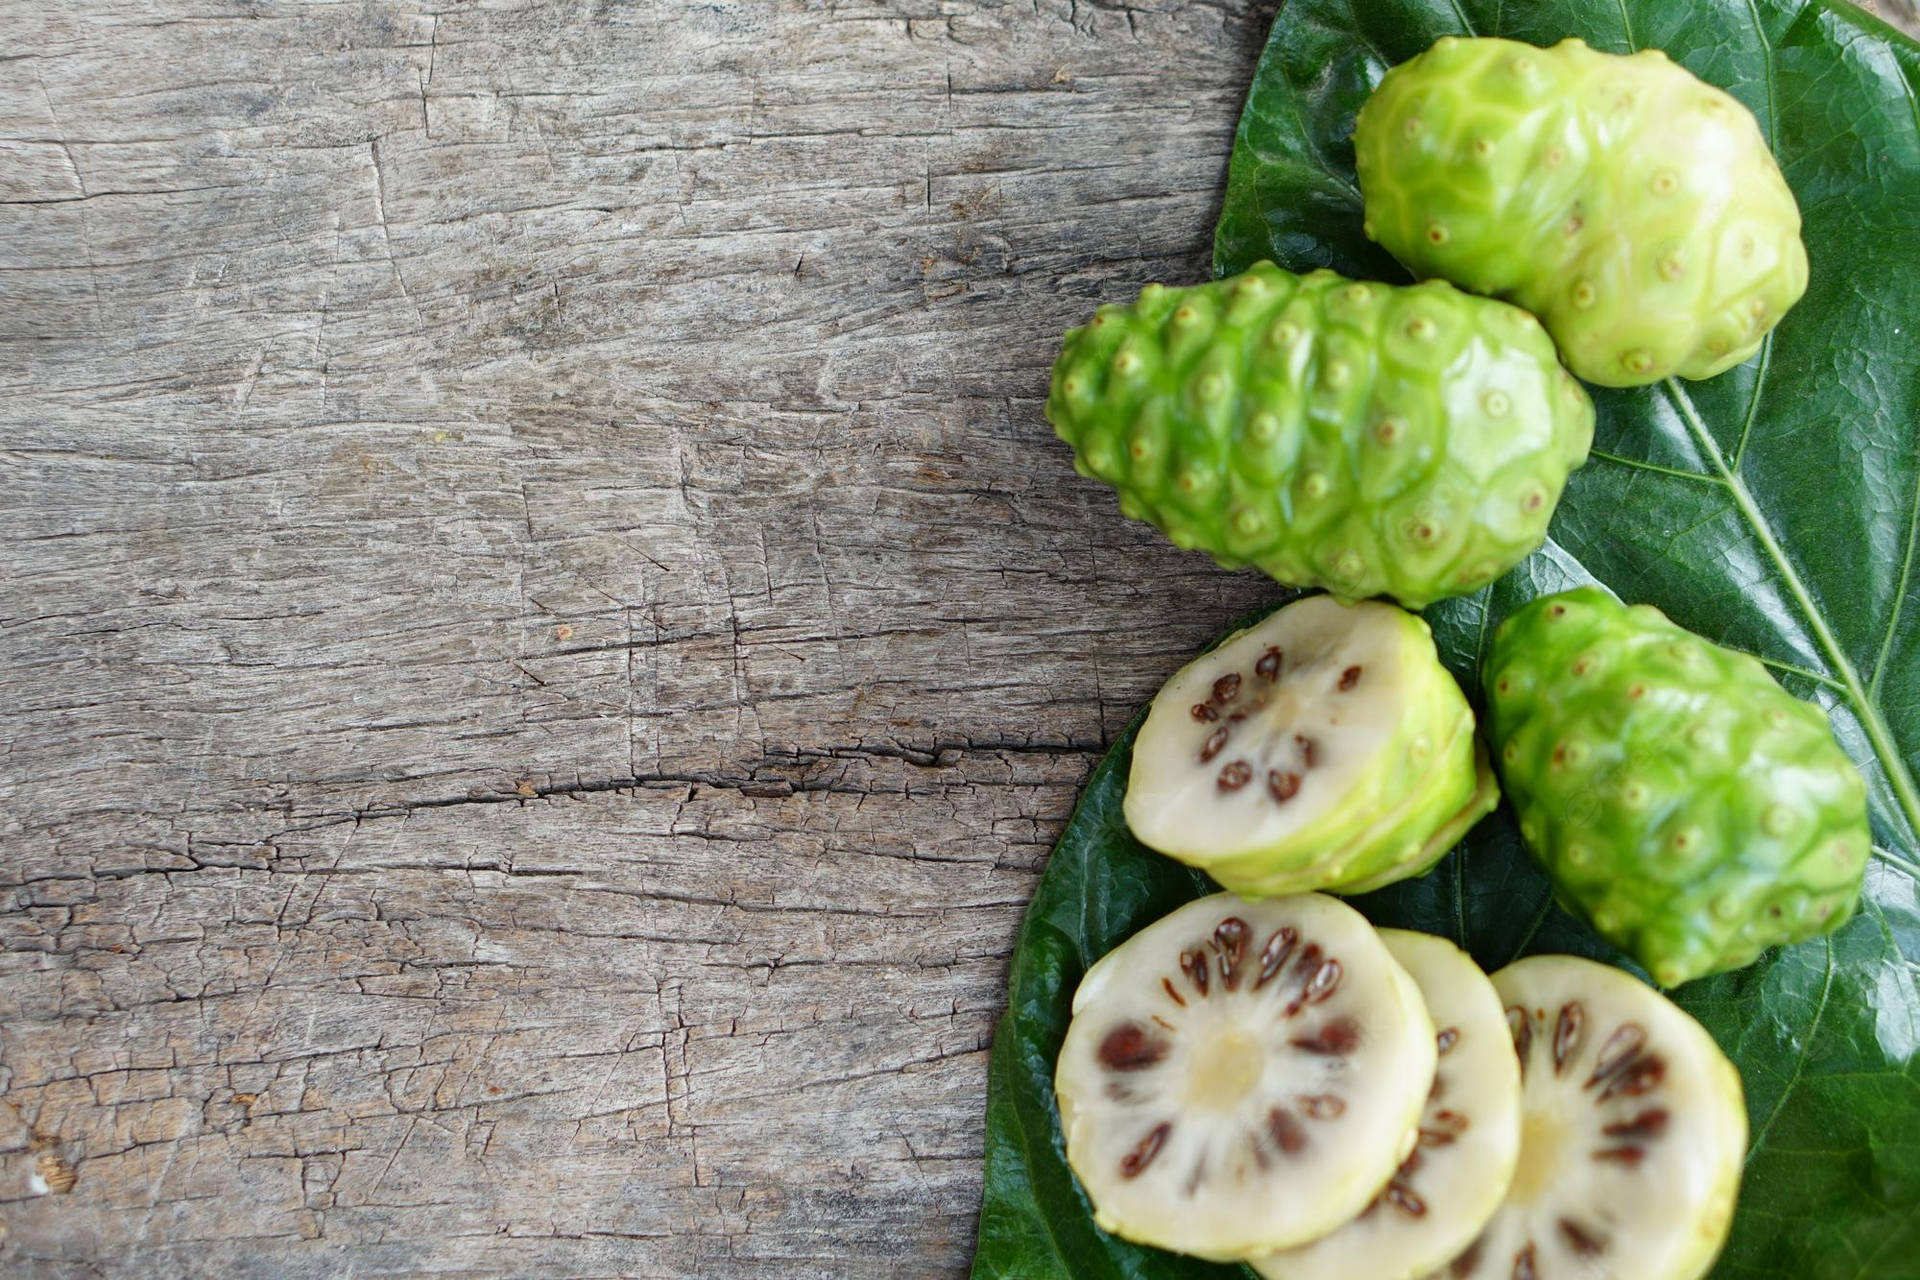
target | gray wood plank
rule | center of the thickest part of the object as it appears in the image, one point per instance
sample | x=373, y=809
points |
x=547, y=637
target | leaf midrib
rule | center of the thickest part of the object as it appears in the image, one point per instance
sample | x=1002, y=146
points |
x=1879, y=733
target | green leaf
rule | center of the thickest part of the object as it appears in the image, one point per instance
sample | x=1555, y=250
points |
x=1775, y=509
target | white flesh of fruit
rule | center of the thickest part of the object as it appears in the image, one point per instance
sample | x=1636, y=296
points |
x=1469, y=1136
x=1271, y=732
x=1633, y=1133
x=1242, y=1076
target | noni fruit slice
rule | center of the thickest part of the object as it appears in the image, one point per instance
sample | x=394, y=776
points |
x=1457, y=1175
x=1689, y=806
x=1636, y=210
x=1633, y=1133
x=1360, y=437
x=1316, y=747
x=1417, y=859
x=1242, y=1076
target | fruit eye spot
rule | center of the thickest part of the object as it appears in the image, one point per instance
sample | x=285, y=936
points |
x=1437, y=234
x=1664, y=182
x=1583, y=295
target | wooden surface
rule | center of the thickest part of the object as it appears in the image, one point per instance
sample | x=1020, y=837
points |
x=545, y=636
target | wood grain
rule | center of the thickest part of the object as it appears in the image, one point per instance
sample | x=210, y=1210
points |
x=546, y=638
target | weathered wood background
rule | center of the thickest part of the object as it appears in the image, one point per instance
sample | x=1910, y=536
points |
x=545, y=637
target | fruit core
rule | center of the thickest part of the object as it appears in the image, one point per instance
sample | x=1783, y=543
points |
x=1543, y=1137
x=1226, y=1071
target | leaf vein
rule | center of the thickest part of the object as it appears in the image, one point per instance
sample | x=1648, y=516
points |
x=1879, y=735
x=1759, y=1138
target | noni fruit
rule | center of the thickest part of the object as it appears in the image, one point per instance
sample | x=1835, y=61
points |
x=1690, y=807
x=1322, y=748
x=1636, y=210
x=1360, y=437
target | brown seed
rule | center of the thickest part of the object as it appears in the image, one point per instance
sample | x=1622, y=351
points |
x=1522, y=1028
x=1649, y=1124
x=1282, y=786
x=1197, y=1177
x=1194, y=964
x=1309, y=959
x=1216, y=742
x=1274, y=955
x=1566, y=1034
x=1626, y=1157
x=1402, y=1198
x=1308, y=750
x=1523, y=1265
x=1235, y=776
x=1230, y=940
x=1268, y=668
x=1448, y=1037
x=1620, y=1049
x=1204, y=713
x=1286, y=1131
x=1337, y=1039
x=1642, y=1076
x=1466, y=1263
x=1324, y=982
x=1581, y=1239
x=1177, y=997
x=1259, y=1149
x=1135, y=1162
x=1226, y=688
x=1131, y=1047
x=1349, y=678
x=1323, y=1106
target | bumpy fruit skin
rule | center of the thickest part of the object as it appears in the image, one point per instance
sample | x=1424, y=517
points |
x=1690, y=807
x=1636, y=210
x=1360, y=437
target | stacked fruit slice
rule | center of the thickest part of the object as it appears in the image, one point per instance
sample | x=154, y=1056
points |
x=1275, y=1082
x=1325, y=748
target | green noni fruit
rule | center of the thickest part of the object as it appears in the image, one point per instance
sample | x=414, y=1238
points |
x=1360, y=437
x=1686, y=804
x=1636, y=210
